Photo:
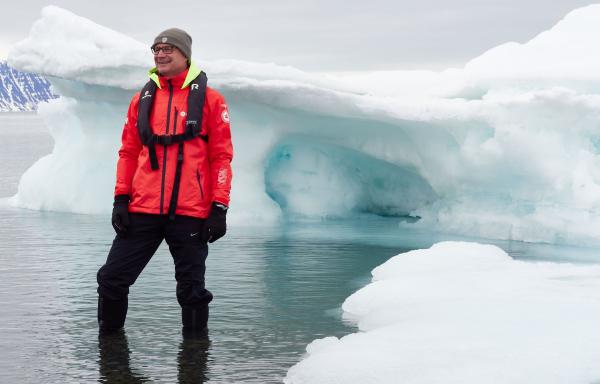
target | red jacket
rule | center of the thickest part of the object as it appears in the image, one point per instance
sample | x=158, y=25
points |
x=206, y=169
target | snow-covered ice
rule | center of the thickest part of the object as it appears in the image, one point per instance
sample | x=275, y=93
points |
x=506, y=147
x=465, y=313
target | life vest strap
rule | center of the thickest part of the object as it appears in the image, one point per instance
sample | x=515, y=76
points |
x=176, y=182
x=175, y=139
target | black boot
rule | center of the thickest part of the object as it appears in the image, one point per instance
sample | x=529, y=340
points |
x=111, y=314
x=195, y=320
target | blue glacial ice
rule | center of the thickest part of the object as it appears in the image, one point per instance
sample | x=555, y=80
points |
x=506, y=147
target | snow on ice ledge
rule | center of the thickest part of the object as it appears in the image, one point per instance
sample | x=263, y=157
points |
x=506, y=147
x=464, y=313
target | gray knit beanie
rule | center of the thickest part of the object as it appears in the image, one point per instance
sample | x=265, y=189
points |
x=177, y=37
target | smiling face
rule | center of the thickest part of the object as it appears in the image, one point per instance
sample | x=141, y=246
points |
x=169, y=64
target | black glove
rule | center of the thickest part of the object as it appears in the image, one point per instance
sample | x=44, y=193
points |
x=120, y=214
x=215, y=226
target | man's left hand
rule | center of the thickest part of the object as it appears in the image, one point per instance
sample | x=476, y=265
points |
x=215, y=226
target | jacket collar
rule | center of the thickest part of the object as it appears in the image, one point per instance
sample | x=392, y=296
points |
x=180, y=80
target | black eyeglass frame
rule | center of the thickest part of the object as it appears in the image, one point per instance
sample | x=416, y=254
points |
x=166, y=49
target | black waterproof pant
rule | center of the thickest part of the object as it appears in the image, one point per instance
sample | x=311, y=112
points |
x=129, y=255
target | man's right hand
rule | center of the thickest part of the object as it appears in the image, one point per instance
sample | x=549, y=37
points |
x=120, y=215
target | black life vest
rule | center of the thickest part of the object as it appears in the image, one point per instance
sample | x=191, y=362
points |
x=193, y=127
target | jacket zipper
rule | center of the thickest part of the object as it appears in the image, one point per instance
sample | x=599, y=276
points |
x=164, y=170
x=200, y=183
x=175, y=122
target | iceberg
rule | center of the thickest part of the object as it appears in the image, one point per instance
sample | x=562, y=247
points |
x=506, y=147
x=464, y=313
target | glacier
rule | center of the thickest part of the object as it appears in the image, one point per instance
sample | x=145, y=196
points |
x=506, y=147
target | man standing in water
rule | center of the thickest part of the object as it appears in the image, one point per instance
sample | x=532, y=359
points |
x=173, y=183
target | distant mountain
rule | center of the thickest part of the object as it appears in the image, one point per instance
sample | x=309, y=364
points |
x=22, y=91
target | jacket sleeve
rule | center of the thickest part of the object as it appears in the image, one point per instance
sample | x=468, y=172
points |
x=220, y=149
x=131, y=147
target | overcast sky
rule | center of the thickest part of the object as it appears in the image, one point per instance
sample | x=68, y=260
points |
x=314, y=35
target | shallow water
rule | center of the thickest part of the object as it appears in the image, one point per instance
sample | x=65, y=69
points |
x=25, y=139
x=274, y=293
x=276, y=289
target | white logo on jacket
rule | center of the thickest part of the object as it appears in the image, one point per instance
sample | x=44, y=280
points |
x=222, y=176
x=225, y=116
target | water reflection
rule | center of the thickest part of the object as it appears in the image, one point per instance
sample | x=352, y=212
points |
x=277, y=289
x=193, y=358
x=114, y=360
x=114, y=365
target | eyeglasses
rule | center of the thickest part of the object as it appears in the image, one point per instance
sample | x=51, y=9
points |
x=166, y=49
